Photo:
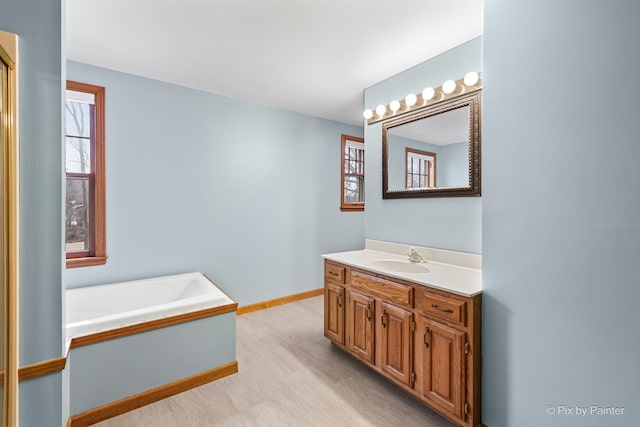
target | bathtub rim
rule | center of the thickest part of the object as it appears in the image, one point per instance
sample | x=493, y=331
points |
x=152, y=323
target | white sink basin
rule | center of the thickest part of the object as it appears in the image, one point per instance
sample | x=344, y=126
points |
x=399, y=266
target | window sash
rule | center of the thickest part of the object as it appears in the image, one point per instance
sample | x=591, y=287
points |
x=89, y=250
x=352, y=174
x=96, y=253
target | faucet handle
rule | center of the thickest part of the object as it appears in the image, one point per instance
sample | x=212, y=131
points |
x=414, y=256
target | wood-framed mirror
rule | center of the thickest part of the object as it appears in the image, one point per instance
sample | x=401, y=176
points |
x=434, y=151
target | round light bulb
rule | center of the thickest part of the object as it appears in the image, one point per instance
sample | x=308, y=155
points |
x=449, y=86
x=471, y=78
x=380, y=110
x=428, y=93
x=411, y=99
x=394, y=105
x=367, y=114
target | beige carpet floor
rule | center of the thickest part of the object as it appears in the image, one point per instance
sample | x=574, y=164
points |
x=289, y=375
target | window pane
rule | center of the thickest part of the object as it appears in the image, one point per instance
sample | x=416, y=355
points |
x=77, y=215
x=78, y=119
x=78, y=155
x=353, y=189
x=347, y=152
x=353, y=167
x=354, y=161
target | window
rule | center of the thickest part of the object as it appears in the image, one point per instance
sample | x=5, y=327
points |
x=420, y=171
x=352, y=174
x=85, y=197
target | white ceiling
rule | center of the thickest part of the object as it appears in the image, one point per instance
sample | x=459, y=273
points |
x=313, y=57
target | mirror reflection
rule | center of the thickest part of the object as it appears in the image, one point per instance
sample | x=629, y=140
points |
x=434, y=151
x=431, y=152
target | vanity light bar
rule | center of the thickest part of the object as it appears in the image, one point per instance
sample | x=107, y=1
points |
x=449, y=89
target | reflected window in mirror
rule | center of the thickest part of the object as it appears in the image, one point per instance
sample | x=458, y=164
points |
x=420, y=169
x=352, y=182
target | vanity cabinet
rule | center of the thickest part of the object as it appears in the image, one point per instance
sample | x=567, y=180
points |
x=425, y=340
x=334, y=312
x=396, y=347
x=360, y=325
x=334, y=301
x=440, y=357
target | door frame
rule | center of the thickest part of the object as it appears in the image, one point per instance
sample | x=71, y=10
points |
x=9, y=55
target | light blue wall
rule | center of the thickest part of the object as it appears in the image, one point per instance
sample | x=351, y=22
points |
x=38, y=24
x=446, y=223
x=247, y=194
x=561, y=216
x=454, y=165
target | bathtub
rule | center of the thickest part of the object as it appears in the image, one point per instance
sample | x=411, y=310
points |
x=133, y=343
x=108, y=307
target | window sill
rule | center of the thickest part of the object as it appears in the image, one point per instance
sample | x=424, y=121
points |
x=352, y=208
x=86, y=262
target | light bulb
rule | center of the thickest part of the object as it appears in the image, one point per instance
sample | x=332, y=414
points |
x=380, y=110
x=428, y=93
x=411, y=99
x=471, y=78
x=449, y=86
x=394, y=105
x=367, y=114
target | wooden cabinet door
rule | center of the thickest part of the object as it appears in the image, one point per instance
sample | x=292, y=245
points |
x=440, y=353
x=397, y=345
x=360, y=315
x=334, y=312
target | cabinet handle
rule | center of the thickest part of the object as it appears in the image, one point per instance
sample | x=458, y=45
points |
x=333, y=273
x=384, y=312
x=424, y=337
x=339, y=300
x=445, y=310
x=369, y=312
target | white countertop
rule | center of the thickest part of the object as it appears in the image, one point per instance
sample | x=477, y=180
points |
x=461, y=280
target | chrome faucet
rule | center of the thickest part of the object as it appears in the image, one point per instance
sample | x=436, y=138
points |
x=414, y=256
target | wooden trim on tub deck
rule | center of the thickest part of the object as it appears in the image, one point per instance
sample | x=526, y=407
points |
x=136, y=401
x=151, y=324
x=279, y=301
x=41, y=369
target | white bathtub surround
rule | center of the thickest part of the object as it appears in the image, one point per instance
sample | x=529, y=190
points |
x=451, y=271
x=99, y=308
x=133, y=338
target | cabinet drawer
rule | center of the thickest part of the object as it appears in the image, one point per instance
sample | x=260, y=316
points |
x=390, y=291
x=443, y=307
x=335, y=273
